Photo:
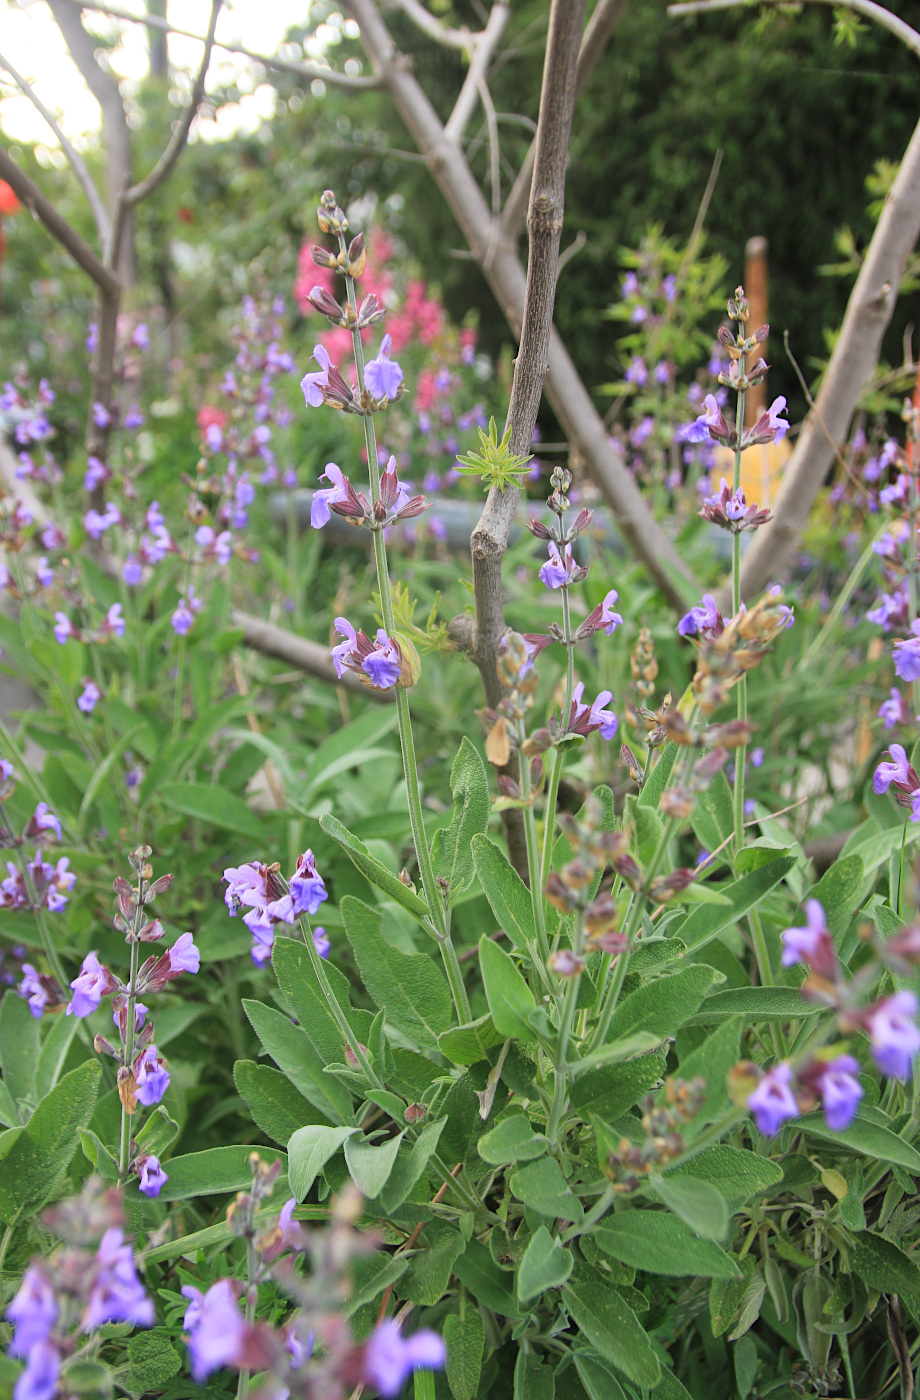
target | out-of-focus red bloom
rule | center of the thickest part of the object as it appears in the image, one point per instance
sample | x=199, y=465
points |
x=8, y=201
x=185, y=215
x=208, y=417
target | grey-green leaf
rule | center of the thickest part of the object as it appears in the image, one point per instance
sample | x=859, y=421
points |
x=370, y=1166
x=308, y=1152
x=19, y=1044
x=659, y=1243
x=409, y=987
x=451, y=850
x=465, y=1339
x=546, y=1264
x=611, y=1326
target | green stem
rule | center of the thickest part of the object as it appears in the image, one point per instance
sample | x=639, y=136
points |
x=741, y=688
x=596, y=1213
x=242, y=1389
x=560, y=1064
x=180, y=688
x=552, y=791
x=413, y=793
x=124, y=1153
x=843, y=598
x=338, y=1014
x=533, y=856
x=912, y=564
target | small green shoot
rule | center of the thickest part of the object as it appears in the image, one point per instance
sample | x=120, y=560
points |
x=496, y=464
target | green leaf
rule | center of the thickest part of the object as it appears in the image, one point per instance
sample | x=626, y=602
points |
x=646, y=827
x=451, y=853
x=662, y=1007
x=712, y=1061
x=95, y=1152
x=19, y=1044
x=158, y=1133
x=410, y=1167
x=306, y=997
x=466, y=1045
x=292, y=1052
x=657, y=780
x=375, y=871
x=41, y=1152
x=347, y=745
x=543, y=1188
x=9, y=1115
x=409, y=987
x=372, y=1274
x=370, y=1166
x=884, y=1267
x=214, y=1172
x=611, y=1090
x=639, y=1043
x=54, y=1050
x=104, y=769
x=736, y=1174
x=703, y=924
x=611, y=1326
x=598, y=1380
x=509, y=997
x=658, y=1243
x=308, y=1152
x=277, y=1106
x=506, y=892
x=534, y=1378
x=546, y=1264
x=698, y=1203
x=86, y=1378
x=214, y=806
x=869, y=1139
x=713, y=817
x=465, y=1339
x=513, y=1140
x=726, y=1295
x=839, y=891
x=756, y=1004
x=486, y=1281
x=153, y=1361
x=431, y=1266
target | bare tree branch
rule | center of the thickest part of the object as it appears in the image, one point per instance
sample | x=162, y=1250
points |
x=600, y=26
x=574, y=407
x=180, y=135
x=57, y=226
x=78, y=165
x=855, y=355
x=283, y=65
x=868, y=8
x=423, y=19
x=479, y=62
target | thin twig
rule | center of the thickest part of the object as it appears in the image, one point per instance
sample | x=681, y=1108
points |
x=180, y=135
x=803, y=385
x=309, y=71
x=31, y=196
x=868, y=8
x=441, y=33
x=479, y=61
x=100, y=216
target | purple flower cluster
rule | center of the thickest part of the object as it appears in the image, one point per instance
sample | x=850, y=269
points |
x=380, y=661
x=703, y=620
x=395, y=501
x=907, y=654
x=589, y=719
x=832, y=1082
x=260, y=889
x=561, y=570
x=900, y=775
x=730, y=510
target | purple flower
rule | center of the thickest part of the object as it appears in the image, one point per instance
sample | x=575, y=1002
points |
x=91, y=984
x=313, y=384
x=183, y=956
x=89, y=698
x=321, y=941
x=141, y=337
x=184, y=615
x=907, y=655
x=812, y=944
x=770, y=427
x=152, y=1176
x=44, y=574
x=893, y=711
x=383, y=376
x=63, y=628
x=586, y=719
x=33, y=1311
x=610, y=620
x=337, y=492
x=710, y=424
x=92, y=339
x=113, y=624
x=307, y=890
x=101, y=415
x=132, y=572
x=384, y=664
x=151, y=1077
x=117, y=1294
x=134, y=418
x=140, y=1015
x=43, y=819
x=33, y=989
x=772, y=1102
x=840, y=1091
x=703, y=617
x=898, y=771
x=96, y=474
x=217, y=1329
x=388, y=1359
x=39, y=1381
x=893, y=1032
x=380, y=661
x=558, y=572
x=636, y=372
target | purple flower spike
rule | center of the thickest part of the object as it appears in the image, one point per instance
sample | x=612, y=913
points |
x=183, y=956
x=892, y=1029
x=89, y=987
x=216, y=1327
x=33, y=1311
x=152, y=1176
x=772, y=1102
x=117, y=1294
x=383, y=376
x=388, y=1358
x=151, y=1077
x=39, y=1381
x=380, y=661
x=812, y=944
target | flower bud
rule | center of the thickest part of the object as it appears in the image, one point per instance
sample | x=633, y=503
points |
x=415, y=1113
x=677, y=801
x=566, y=963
